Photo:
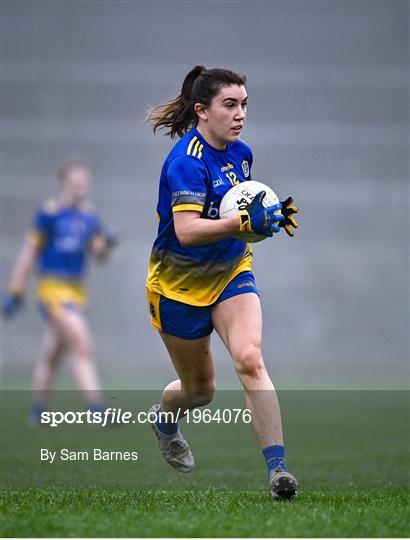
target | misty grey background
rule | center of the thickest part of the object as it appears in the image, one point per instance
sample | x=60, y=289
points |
x=328, y=123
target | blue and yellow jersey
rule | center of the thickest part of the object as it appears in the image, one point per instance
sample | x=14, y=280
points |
x=63, y=236
x=195, y=176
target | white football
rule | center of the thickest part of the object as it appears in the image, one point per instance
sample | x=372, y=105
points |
x=238, y=198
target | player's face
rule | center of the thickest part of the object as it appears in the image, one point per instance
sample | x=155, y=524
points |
x=76, y=184
x=224, y=118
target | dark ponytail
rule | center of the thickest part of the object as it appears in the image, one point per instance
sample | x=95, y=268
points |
x=200, y=86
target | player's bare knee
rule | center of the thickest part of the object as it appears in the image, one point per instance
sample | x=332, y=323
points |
x=249, y=363
x=207, y=393
x=201, y=395
x=83, y=353
x=83, y=349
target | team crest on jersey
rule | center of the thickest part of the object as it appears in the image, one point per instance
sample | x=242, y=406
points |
x=245, y=168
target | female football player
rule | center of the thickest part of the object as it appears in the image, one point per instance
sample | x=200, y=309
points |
x=200, y=275
x=64, y=231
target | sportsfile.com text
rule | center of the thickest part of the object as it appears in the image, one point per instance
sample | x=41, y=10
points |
x=113, y=415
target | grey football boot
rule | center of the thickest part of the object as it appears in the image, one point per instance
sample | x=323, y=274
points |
x=283, y=485
x=174, y=448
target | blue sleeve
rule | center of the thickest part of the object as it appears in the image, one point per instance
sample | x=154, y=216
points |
x=248, y=153
x=40, y=227
x=247, y=160
x=97, y=226
x=40, y=222
x=250, y=161
x=187, y=179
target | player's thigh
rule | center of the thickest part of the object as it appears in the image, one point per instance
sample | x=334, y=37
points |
x=72, y=327
x=192, y=360
x=238, y=321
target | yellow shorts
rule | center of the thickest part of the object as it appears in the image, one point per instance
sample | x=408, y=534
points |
x=54, y=294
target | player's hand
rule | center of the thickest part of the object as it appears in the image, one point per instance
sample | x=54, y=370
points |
x=256, y=218
x=111, y=237
x=289, y=222
x=103, y=242
x=12, y=304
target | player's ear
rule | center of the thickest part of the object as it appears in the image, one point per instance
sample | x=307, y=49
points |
x=201, y=111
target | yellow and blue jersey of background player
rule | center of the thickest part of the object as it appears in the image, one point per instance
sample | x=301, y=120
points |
x=195, y=176
x=63, y=236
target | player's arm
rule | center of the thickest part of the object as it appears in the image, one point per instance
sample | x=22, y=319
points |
x=25, y=261
x=102, y=243
x=192, y=230
x=103, y=240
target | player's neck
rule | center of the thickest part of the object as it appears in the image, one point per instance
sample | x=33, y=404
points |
x=68, y=201
x=210, y=139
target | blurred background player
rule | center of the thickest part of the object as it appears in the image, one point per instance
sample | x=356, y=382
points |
x=64, y=232
x=200, y=272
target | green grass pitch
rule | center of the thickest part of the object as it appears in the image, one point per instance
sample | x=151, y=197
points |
x=350, y=452
x=135, y=513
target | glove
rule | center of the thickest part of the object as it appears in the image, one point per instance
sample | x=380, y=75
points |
x=289, y=222
x=110, y=236
x=12, y=303
x=256, y=218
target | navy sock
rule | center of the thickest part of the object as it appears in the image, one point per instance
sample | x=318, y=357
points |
x=167, y=428
x=37, y=409
x=96, y=407
x=275, y=457
x=35, y=413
